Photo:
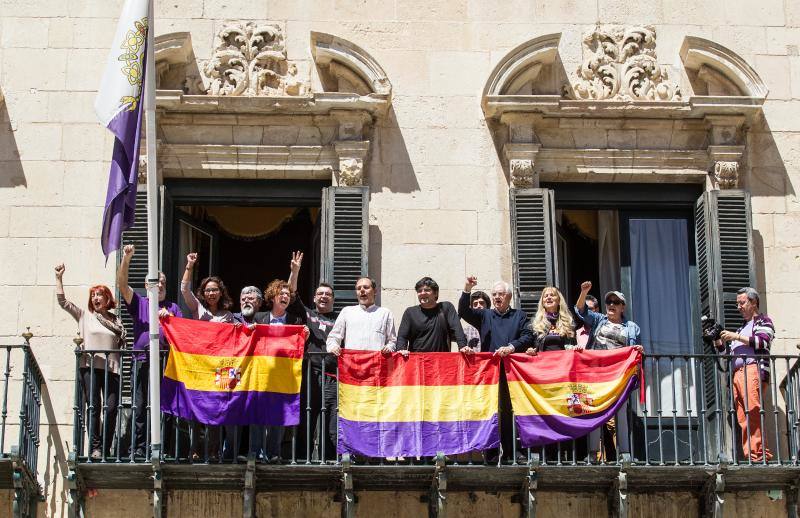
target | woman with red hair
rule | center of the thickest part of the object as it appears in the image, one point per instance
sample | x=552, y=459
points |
x=101, y=330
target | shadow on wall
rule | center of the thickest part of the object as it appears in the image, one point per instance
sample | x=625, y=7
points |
x=11, y=173
x=57, y=451
x=375, y=255
x=766, y=178
x=390, y=166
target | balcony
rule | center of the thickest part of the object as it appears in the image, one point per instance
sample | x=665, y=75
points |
x=21, y=401
x=684, y=437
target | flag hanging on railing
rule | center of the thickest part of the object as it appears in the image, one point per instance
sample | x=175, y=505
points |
x=563, y=395
x=391, y=406
x=119, y=108
x=221, y=374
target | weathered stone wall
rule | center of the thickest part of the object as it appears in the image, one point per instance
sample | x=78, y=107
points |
x=439, y=195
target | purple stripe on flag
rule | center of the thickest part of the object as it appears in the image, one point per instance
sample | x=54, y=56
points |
x=417, y=438
x=538, y=430
x=119, y=212
x=229, y=408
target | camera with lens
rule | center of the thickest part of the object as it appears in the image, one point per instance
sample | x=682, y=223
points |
x=711, y=329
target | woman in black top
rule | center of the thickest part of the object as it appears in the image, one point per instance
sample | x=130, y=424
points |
x=552, y=325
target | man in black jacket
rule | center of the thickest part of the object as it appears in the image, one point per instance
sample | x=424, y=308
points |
x=429, y=326
x=318, y=389
x=504, y=330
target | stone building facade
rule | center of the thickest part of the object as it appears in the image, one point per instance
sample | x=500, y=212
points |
x=443, y=118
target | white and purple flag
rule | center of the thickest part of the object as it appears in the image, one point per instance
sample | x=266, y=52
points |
x=119, y=108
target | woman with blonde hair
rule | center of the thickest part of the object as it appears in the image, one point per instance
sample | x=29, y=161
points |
x=552, y=325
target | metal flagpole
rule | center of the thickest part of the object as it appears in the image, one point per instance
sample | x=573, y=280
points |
x=152, y=255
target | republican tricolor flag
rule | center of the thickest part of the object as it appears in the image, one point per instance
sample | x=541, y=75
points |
x=221, y=374
x=563, y=395
x=119, y=108
x=391, y=406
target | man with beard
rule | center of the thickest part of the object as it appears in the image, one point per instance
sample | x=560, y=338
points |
x=138, y=308
x=250, y=301
x=429, y=326
x=319, y=387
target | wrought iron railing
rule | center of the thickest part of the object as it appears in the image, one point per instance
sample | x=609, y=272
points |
x=688, y=418
x=22, y=383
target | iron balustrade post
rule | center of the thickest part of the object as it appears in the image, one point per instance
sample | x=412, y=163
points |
x=674, y=411
x=104, y=425
x=687, y=396
x=659, y=413
x=77, y=407
x=308, y=440
x=645, y=413
x=718, y=415
x=118, y=420
x=4, y=413
x=732, y=416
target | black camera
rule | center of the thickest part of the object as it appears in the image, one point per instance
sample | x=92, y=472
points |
x=711, y=329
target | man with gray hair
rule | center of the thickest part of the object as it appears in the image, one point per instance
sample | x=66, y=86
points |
x=504, y=330
x=750, y=371
x=250, y=301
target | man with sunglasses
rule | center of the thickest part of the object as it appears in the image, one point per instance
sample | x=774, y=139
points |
x=609, y=331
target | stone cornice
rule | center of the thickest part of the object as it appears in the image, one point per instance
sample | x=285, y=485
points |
x=323, y=103
x=247, y=161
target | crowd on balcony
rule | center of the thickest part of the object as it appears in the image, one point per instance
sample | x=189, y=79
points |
x=481, y=322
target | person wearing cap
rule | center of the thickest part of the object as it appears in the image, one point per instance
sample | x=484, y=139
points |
x=609, y=331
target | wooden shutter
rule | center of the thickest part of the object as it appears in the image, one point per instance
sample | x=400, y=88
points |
x=724, y=265
x=345, y=241
x=136, y=236
x=533, y=238
x=724, y=253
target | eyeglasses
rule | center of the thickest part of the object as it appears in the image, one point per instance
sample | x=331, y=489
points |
x=614, y=303
x=211, y=290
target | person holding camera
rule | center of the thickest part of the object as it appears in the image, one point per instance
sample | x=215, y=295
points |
x=750, y=370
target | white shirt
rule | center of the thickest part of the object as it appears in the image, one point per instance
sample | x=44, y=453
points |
x=358, y=328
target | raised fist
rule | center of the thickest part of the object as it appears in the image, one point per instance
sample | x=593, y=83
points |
x=191, y=259
x=60, y=271
x=128, y=250
x=586, y=286
x=472, y=281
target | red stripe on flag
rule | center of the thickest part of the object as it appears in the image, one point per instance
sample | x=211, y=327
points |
x=368, y=368
x=572, y=366
x=220, y=339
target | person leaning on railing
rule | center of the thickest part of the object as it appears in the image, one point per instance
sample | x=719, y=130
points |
x=554, y=330
x=609, y=331
x=101, y=330
x=212, y=303
x=750, y=372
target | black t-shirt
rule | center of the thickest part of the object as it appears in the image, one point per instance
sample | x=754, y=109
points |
x=319, y=325
x=429, y=330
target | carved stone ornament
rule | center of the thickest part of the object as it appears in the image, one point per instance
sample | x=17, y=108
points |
x=522, y=174
x=620, y=64
x=250, y=60
x=351, y=172
x=726, y=174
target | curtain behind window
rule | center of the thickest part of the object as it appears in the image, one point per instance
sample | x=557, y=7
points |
x=661, y=301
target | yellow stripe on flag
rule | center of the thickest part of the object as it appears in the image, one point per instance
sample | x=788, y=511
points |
x=553, y=398
x=258, y=373
x=417, y=403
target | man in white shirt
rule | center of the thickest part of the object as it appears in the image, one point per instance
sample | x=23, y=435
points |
x=366, y=326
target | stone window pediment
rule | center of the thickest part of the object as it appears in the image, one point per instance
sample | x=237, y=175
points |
x=251, y=112
x=620, y=111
